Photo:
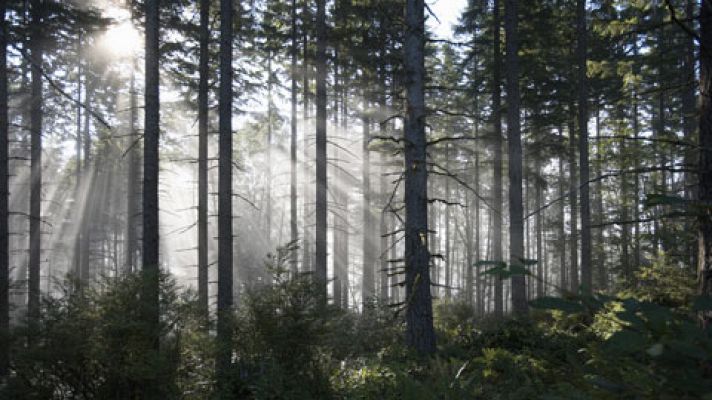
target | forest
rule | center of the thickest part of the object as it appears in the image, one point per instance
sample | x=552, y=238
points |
x=355, y=199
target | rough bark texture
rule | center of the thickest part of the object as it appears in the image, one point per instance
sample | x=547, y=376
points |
x=497, y=144
x=581, y=50
x=320, y=244
x=514, y=137
x=225, y=255
x=420, y=334
x=4, y=197
x=36, y=102
x=203, y=158
x=705, y=162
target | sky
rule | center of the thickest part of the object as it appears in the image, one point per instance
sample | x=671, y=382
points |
x=448, y=12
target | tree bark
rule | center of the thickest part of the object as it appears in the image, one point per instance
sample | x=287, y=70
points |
x=497, y=144
x=293, y=233
x=514, y=137
x=225, y=249
x=705, y=161
x=573, y=201
x=36, y=104
x=368, y=284
x=420, y=334
x=4, y=198
x=203, y=81
x=320, y=266
x=584, y=176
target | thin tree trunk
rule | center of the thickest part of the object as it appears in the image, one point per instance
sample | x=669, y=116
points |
x=582, y=51
x=36, y=104
x=562, y=221
x=4, y=197
x=497, y=144
x=293, y=232
x=368, y=283
x=203, y=81
x=131, y=180
x=705, y=166
x=420, y=334
x=601, y=258
x=448, y=252
x=689, y=120
x=268, y=151
x=514, y=137
x=540, y=285
x=320, y=265
x=225, y=245
x=573, y=201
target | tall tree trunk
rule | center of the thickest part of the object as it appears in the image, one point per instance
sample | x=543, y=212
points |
x=203, y=81
x=541, y=279
x=293, y=233
x=573, y=198
x=562, y=221
x=150, y=279
x=705, y=166
x=36, y=104
x=448, y=252
x=514, y=137
x=320, y=265
x=383, y=253
x=131, y=180
x=306, y=240
x=225, y=250
x=689, y=121
x=601, y=254
x=268, y=151
x=4, y=198
x=368, y=284
x=582, y=50
x=497, y=144
x=420, y=334
x=76, y=262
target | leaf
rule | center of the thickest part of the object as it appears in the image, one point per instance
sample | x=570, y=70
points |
x=497, y=271
x=484, y=263
x=528, y=261
x=653, y=200
x=702, y=303
x=555, y=303
x=518, y=270
x=626, y=341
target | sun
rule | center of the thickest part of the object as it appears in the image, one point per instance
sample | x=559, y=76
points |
x=121, y=39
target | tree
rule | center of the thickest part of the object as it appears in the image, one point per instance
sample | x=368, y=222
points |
x=514, y=137
x=225, y=256
x=203, y=71
x=293, y=233
x=705, y=160
x=4, y=197
x=497, y=145
x=420, y=334
x=36, y=102
x=581, y=55
x=321, y=200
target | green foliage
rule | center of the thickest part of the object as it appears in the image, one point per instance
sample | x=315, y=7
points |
x=92, y=344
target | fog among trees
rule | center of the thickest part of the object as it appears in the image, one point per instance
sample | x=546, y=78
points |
x=225, y=199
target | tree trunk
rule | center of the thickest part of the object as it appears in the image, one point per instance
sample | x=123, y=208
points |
x=368, y=284
x=420, y=334
x=562, y=221
x=4, y=197
x=225, y=250
x=582, y=50
x=514, y=137
x=293, y=233
x=540, y=285
x=573, y=198
x=131, y=180
x=203, y=81
x=36, y=104
x=320, y=265
x=497, y=144
x=705, y=166
x=601, y=254
x=689, y=120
